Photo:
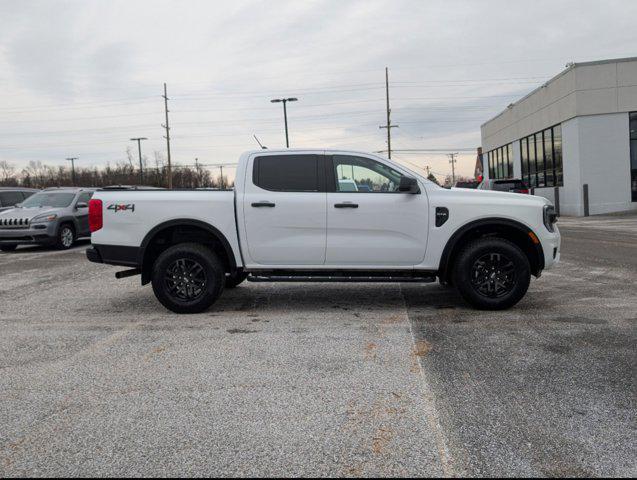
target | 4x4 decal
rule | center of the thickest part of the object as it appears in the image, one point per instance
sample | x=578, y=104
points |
x=120, y=207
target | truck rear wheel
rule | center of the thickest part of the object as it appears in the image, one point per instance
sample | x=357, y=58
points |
x=492, y=274
x=188, y=278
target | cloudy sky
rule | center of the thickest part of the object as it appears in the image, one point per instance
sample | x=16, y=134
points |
x=79, y=78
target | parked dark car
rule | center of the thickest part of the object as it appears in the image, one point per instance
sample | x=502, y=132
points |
x=11, y=196
x=513, y=185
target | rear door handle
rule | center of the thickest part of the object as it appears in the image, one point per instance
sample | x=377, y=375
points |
x=263, y=204
x=346, y=205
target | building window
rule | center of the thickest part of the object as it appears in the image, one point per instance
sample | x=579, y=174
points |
x=541, y=155
x=501, y=162
x=633, y=155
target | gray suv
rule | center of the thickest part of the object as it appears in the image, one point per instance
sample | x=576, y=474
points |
x=55, y=216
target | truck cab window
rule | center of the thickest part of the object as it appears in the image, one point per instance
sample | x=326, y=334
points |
x=288, y=173
x=363, y=175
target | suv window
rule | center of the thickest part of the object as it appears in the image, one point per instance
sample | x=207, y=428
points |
x=363, y=175
x=9, y=199
x=287, y=173
x=85, y=197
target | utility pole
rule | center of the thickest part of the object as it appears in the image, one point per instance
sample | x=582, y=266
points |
x=389, y=126
x=452, y=161
x=221, y=177
x=167, y=137
x=141, y=165
x=72, y=160
x=285, y=115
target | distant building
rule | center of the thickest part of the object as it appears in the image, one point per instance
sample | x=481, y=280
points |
x=579, y=128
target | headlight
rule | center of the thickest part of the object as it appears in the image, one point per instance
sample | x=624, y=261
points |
x=550, y=217
x=44, y=218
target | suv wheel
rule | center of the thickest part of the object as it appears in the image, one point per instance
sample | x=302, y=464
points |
x=66, y=237
x=492, y=274
x=8, y=248
x=188, y=278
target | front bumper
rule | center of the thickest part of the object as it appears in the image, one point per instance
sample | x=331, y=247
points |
x=551, y=246
x=28, y=236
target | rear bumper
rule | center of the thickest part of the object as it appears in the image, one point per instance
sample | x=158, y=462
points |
x=115, y=255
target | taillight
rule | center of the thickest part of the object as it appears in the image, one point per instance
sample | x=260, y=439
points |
x=95, y=215
x=524, y=191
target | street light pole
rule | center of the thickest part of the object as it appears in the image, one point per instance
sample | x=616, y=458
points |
x=141, y=166
x=285, y=115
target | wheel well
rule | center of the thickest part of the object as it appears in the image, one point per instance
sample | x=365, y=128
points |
x=70, y=223
x=511, y=231
x=168, y=236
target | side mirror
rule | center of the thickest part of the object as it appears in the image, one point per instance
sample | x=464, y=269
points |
x=81, y=205
x=408, y=185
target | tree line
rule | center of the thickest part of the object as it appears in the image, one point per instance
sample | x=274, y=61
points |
x=39, y=175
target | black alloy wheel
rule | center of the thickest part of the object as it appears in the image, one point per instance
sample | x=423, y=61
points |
x=185, y=279
x=493, y=275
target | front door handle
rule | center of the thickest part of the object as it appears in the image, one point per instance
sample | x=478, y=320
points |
x=263, y=204
x=346, y=205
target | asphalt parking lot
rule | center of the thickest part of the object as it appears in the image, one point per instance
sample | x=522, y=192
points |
x=96, y=378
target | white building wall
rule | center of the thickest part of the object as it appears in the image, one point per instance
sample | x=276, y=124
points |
x=604, y=142
x=571, y=195
x=517, y=160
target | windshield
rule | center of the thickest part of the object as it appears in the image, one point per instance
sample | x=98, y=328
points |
x=49, y=199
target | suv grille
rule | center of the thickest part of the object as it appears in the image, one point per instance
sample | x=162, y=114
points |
x=14, y=223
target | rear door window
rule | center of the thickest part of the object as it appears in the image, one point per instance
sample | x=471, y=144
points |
x=289, y=173
x=9, y=199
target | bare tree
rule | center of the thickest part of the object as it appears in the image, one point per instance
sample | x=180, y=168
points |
x=7, y=173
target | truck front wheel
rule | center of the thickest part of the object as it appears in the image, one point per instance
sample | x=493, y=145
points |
x=188, y=278
x=492, y=274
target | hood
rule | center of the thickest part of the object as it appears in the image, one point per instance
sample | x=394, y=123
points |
x=26, y=214
x=488, y=196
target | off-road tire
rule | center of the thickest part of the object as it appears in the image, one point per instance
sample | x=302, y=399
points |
x=491, y=274
x=188, y=278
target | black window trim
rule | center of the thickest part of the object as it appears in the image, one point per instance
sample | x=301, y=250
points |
x=526, y=175
x=320, y=172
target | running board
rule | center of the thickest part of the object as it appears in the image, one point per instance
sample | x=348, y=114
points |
x=341, y=278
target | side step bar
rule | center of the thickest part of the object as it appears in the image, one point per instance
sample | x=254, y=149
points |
x=341, y=278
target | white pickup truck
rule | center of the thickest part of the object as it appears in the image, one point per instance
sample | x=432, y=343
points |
x=294, y=215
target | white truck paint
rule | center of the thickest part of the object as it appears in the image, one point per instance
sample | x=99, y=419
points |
x=390, y=232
